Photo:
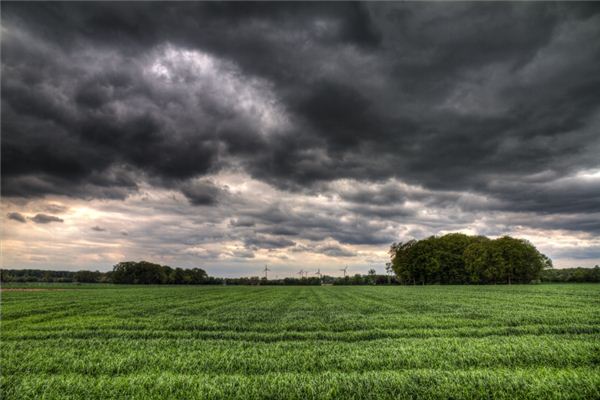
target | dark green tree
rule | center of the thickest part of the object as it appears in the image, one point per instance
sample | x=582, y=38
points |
x=458, y=258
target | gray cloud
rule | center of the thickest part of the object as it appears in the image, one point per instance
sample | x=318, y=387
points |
x=243, y=254
x=55, y=208
x=335, y=251
x=202, y=193
x=45, y=219
x=242, y=222
x=581, y=254
x=317, y=225
x=15, y=216
x=436, y=115
x=267, y=242
x=356, y=118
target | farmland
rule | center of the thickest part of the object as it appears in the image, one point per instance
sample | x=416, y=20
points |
x=157, y=342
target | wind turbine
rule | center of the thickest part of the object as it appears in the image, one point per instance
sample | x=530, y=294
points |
x=318, y=272
x=266, y=270
x=301, y=273
x=345, y=269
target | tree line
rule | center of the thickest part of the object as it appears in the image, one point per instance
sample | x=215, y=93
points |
x=578, y=274
x=450, y=259
x=456, y=258
x=143, y=272
x=371, y=278
x=128, y=272
x=566, y=275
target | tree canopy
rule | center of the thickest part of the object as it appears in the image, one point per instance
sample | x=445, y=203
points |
x=145, y=272
x=457, y=258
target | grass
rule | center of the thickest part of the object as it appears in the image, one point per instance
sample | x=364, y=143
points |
x=460, y=342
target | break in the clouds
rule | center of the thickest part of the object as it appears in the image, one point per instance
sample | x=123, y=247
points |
x=230, y=135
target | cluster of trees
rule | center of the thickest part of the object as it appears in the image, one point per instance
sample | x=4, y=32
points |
x=572, y=275
x=39, y=275
x=460, y=259
x=129, y=272
x=147, y=273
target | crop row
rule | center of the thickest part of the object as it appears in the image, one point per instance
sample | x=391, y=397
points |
x=539, y=383
x=123, y=356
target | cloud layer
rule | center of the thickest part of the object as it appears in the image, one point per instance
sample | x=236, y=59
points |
x=295, y=131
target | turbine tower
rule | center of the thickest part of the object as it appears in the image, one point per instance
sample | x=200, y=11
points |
x=345, y=269
x=319, y=273
x=266, y=270
x=301, y=273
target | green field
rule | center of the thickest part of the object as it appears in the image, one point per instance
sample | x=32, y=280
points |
x=101, y=342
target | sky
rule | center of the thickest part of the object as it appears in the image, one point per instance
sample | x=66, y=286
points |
x=297, y=135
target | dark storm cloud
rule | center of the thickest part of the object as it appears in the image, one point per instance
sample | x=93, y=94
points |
x=202, y=193
x=267, y=242
x=555, y=197
x=387, y=194
x=243, y=254
x=589, y=223
x=335, y=251
x=330, y=250
x=279, y=230
x=316, y=225
x=385, y=212
x=15, y=216
x=45, y=219
x=472, y=98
